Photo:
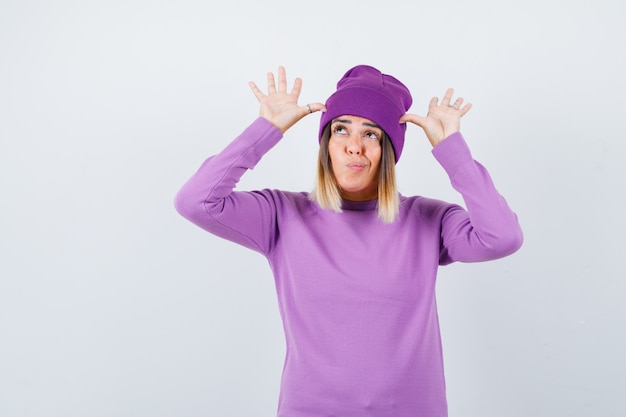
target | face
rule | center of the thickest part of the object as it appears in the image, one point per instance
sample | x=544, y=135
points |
x=355, y=153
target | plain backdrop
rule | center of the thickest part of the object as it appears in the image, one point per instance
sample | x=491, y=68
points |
x=112, y=305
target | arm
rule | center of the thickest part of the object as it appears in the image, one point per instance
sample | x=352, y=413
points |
x=488, y=229
x=208, y=198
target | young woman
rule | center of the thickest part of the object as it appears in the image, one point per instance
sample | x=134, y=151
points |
x=354, y=261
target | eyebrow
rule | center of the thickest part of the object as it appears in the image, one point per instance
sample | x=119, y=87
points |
x=346, y=121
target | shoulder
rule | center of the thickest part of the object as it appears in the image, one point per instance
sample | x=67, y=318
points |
x=289, y=203
x=424, y=209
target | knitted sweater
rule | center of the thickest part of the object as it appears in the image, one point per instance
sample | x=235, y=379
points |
x=356, y=295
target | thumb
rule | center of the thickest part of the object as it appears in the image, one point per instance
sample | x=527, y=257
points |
x=413, y=118
x=315, y=107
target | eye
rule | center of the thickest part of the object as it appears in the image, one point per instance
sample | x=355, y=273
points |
x=339, y=130
x=372, y=135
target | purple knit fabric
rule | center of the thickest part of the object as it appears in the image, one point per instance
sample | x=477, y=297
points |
x=356, y=295
x=366, y=92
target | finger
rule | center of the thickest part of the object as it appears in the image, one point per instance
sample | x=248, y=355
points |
x=458, y=103
x=314, y=107
x=257, y=92
x=465, y=109
x=433, y=102
x=297, y=87
x=413, y=118
x=271, y=84
x=282, y=79
x=447, y=97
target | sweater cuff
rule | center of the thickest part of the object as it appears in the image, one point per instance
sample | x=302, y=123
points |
x=265, y=134
x=263, y=124
x=452, y=153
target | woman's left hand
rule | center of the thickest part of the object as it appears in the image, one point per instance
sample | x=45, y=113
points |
x=442, y=120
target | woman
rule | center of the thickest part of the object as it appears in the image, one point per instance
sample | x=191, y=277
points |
x=354, y=261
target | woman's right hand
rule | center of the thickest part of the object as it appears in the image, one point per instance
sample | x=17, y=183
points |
x=280, y=107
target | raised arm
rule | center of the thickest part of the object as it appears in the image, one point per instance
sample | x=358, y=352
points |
x=487, y=228
x=208, y=198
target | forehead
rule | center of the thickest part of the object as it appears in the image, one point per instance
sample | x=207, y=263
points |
x=355, y=120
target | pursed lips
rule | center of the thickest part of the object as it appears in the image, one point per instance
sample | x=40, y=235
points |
x=356, y=166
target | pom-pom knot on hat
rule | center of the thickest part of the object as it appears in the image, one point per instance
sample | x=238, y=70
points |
x=366, y=92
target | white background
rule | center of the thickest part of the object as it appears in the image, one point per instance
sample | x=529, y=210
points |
x=111, y=304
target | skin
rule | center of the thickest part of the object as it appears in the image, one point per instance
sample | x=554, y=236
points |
x=280, y=107
x=442, y=120
x=355, y=153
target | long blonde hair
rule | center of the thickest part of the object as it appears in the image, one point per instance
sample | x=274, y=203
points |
x=327, y=193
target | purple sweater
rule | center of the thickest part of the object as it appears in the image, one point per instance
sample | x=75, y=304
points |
x=356, y=296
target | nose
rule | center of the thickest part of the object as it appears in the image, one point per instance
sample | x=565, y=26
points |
x=354, y=146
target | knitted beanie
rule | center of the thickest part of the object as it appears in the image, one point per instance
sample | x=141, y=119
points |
x=366, y=92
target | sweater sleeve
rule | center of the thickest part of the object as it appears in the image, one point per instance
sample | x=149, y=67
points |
x=488, y=229
x=208, y=198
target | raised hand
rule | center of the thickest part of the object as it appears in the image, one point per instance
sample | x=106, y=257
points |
x=442, y=120
x=279, y=106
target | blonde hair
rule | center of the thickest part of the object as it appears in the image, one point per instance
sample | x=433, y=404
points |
x=327, y=193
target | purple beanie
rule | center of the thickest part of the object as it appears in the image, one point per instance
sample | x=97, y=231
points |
x=366, y=92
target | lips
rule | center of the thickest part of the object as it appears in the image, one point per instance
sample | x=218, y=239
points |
x=356, y=166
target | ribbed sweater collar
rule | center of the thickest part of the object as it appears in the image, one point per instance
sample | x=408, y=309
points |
x=359, y=205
